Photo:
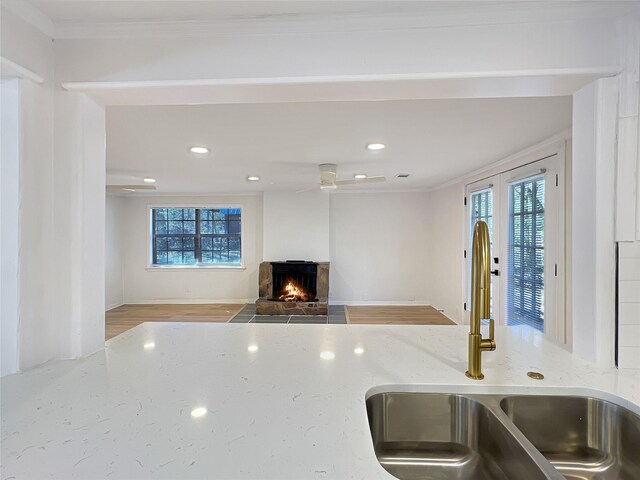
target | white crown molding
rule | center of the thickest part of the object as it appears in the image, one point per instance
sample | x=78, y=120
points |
x=30, y=14
x=432, y=16
x=436, y=15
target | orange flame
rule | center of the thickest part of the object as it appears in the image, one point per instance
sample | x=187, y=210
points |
x=293, y=293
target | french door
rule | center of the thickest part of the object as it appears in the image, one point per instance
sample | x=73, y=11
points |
x=524, y=209
x=483, y=203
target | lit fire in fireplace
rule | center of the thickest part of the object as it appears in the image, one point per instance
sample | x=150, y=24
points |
x=293, y=293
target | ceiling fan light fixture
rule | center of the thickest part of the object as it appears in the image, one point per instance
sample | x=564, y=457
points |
x=359, y=176
x=376, y=146
x=199, y=150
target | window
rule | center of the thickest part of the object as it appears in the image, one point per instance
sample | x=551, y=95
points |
x=526, y=256
x=196, y=236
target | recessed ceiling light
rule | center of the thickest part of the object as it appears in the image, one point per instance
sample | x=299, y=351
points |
x=198, y=412
x=252, y=348
x=359, y=176
x=376, y=146
x=199, y=150
x=149, y=180
x=149, y=346
x=253, y=178
x=327, y=355
x=358, y=350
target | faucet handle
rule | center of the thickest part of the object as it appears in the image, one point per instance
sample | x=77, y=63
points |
x=492, y=329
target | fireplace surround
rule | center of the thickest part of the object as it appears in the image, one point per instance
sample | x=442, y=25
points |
x=293, y=287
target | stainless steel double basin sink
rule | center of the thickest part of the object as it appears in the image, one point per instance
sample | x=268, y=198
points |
x=516, y=437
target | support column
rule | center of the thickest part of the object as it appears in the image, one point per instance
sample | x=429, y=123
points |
x=79, y=222
x=593, y=197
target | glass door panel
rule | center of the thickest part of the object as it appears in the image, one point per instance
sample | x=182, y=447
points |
x=483, y=201
x=525, y=271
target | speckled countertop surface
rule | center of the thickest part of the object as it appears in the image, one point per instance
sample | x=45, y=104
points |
x=282, y=401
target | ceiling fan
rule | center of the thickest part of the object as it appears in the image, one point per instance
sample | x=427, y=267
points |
x=328, y=173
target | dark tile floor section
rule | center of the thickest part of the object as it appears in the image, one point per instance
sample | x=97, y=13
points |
x=248, y=315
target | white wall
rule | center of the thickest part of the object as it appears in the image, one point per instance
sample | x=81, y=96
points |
x=379, y=248
x=114, y=252
x=143, y=285
x=38, y=336
x=446, y=244
x=628, y=135
x=61, y=194
x=351, y=238
x=296, y=226
x=10, y=225
x=629, y=305
x=26, y=46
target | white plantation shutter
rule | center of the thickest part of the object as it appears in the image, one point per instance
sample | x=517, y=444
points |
x=525, y=253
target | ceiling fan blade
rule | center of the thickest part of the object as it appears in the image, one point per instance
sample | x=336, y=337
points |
x=307, y=189
x=129, y=188
x=361, y=182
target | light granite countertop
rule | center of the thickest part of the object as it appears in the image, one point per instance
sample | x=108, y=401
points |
x=282, y=401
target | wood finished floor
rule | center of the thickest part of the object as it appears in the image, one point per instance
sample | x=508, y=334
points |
x=396, y=315
x=125, y=317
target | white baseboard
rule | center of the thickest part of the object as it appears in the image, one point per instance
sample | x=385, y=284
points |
x=113, y=305
x=187, y=301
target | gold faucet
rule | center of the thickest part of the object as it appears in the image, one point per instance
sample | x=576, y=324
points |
x=480, y=300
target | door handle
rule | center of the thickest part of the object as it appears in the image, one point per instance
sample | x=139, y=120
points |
x=495, y=272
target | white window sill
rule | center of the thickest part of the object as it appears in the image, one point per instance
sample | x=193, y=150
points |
x=165, y=268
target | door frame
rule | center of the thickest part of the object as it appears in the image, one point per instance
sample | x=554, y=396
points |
x=557, y=150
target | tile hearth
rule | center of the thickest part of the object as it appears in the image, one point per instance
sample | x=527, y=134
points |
x=248, y=315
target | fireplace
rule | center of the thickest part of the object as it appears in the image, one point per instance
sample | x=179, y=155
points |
x=294, y=281
x=293, y=287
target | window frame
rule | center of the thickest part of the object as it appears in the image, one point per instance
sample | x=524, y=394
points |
x=196, y=266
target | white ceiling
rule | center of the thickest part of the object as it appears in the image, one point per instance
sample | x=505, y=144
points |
x=64, y=11
x=108, y=11
x=433, y=140
x=87, y=18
